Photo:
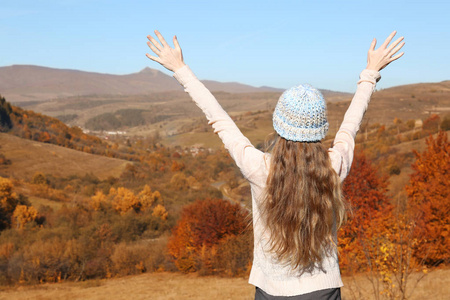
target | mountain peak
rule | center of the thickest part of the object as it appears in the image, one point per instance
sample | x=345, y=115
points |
x=148, y=70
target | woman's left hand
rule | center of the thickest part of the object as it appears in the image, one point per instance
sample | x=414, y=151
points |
x=170, y=58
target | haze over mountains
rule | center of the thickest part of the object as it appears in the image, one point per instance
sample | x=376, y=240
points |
x=22, y=83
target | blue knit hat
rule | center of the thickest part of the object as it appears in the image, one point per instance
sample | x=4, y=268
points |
x=301, y=114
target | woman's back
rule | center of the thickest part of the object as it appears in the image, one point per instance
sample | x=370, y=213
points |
x=267, y=272
x=274, y=270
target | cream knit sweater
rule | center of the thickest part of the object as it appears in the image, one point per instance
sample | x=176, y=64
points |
x=272, y=277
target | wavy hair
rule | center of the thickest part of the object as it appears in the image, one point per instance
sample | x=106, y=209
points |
x=303, y=205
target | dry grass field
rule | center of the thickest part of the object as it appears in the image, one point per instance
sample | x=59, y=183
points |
x=29, y=157
x=166, y=286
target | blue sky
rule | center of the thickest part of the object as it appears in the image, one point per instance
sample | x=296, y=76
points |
x=273, y=43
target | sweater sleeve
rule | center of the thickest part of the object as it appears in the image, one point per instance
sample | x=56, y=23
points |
x=344, y=143
x=246, y=156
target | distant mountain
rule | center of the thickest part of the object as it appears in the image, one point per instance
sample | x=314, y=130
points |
x=236, y=87
x=22, y=83
x=82, y=98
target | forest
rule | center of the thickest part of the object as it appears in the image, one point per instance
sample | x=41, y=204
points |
x=187, y=209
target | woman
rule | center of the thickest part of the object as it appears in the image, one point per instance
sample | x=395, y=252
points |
x=296, y=190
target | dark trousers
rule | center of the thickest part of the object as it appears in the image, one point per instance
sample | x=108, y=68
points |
x=328, y=294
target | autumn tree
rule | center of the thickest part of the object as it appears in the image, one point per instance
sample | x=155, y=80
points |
x=147, y=197
x=179, y=181
x=98, y=201
x=203, y=224
x=39, y=178
x=432, y=123
x=8, y=202
x=429, y=199
x=176, y=166
x=124, y=200
x=379, y=238
x=160, y=212
x=22, y=215
x=365, y=190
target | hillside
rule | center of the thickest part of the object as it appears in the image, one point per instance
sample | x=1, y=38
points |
x=28, y=157
x=117, y=102
x=28, y=83
x=81, y=98
x=24, y=83
x=118, y=221
x=412, y=101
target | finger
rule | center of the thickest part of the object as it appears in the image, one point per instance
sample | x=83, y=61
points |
x=161, y=38
x=397, y=56
x=175, y=43
x=373, y=44
x=389, y=39
x=395, y=44
x=397, y=49
x=154, y=58
x=154, y=42
x=154, y=49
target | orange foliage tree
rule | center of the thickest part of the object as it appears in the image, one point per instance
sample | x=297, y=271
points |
x=123, y=200
x=365, y=190
x=8, y=202
x=160, y=212
x=429, y=200
x=98, y=201
x=432, y=123
x=202, y=226
x=23, y=214
x=378, y=238
x=147, y=198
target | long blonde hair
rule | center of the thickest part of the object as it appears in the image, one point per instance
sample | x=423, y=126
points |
x=303, y=204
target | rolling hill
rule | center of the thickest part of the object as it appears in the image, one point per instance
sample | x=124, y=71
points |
x=409, y=102
x=148, y=101
x=24, y=83
x=29, y=83
x=28, y=157
x=412, y=101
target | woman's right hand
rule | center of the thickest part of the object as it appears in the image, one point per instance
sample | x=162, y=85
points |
x=168, y=57
x=378, y=59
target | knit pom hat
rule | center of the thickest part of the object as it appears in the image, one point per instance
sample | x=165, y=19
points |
x=301, y=114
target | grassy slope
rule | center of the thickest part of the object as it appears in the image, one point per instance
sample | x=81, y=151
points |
x=416, y=101
x=29, y=157
x=166, y=286
x=404, y=102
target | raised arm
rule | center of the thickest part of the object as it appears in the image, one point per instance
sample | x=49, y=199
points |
x=344, y=143
x=244, y=154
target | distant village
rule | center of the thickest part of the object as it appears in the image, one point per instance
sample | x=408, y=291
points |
x=194, y=150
